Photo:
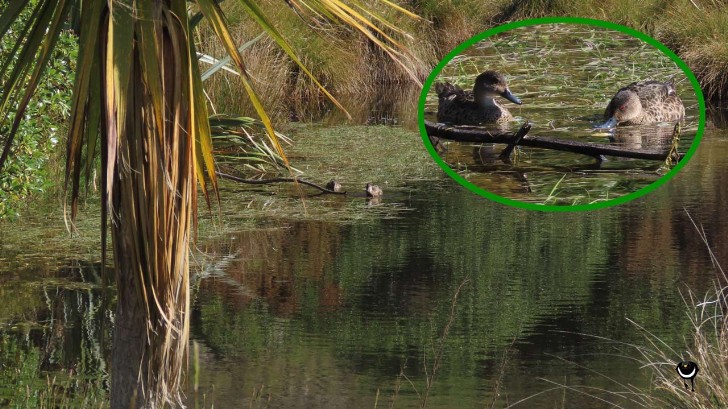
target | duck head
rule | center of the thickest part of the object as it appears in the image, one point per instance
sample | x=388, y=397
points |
x=624, y=107
x=490, y=84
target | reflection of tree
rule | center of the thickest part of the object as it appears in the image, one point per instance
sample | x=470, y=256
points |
x=402, y=272
x=273, y=265
x=62, y=336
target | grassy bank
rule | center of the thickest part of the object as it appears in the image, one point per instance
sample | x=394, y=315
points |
x=353, y=68
x=344, y=61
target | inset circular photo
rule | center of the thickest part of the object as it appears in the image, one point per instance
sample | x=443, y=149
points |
x=561, y=114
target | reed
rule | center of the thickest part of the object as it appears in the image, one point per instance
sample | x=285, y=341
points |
x=342, y=60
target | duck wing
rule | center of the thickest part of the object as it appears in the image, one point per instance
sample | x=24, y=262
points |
x=660, y=101
x=649, y=91
x=449, y=92
x=455, y=104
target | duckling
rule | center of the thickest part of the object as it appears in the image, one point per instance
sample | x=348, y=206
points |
x=644, y=103
x=373, y=190
x=461, y=107
x=687, y=370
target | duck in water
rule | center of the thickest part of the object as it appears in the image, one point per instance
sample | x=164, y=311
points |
x=460, y=107
x=373, y=190
x=644, y=102
x=333, y=186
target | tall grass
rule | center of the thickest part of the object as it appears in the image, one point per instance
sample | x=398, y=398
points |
x=350, y=67
x=344, y=62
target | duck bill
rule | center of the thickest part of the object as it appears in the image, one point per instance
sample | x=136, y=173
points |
x=611, y=123
x=509, y=96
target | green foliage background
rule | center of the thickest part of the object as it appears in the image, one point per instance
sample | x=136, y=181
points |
x=32, y=166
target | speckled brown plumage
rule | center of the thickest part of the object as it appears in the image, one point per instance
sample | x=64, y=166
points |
x=644, y=103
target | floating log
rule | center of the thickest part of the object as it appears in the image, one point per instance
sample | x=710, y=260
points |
x=278, y=180
x=481, y=135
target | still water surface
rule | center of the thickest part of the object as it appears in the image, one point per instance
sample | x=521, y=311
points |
x=335, y=313
x=327, y=312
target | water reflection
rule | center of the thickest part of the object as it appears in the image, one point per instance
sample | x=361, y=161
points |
x=374, y=298
x=51, y=347
x=639, y=137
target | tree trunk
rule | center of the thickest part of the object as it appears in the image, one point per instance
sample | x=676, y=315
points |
x=152, y=200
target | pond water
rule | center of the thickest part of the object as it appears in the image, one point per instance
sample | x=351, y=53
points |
x=565, y=74
x=345, y=303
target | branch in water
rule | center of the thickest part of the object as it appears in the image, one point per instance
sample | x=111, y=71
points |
x=277, y=180
x=472, y=134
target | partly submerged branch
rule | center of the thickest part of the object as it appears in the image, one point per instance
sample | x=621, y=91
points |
x=277, y=180
x=473, y=134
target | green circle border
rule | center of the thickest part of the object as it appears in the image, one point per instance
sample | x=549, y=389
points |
x=551, y=20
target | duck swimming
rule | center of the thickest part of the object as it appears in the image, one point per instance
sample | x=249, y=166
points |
x=333, y=186
x=373, y=190
x=461, y=107
x=644, y=102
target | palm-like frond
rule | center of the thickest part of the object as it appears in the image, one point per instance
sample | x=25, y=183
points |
x=354, y=14
x=236, y=142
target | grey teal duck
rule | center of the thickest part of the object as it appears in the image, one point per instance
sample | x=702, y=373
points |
x=333, y=186
x=373, y=190
x=460, y=107
x=644, y=102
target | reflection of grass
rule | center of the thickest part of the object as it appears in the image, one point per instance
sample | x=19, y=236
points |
x=438, y=352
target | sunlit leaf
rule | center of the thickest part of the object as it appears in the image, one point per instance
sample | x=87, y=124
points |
x=51, y=24
x=222, y=63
